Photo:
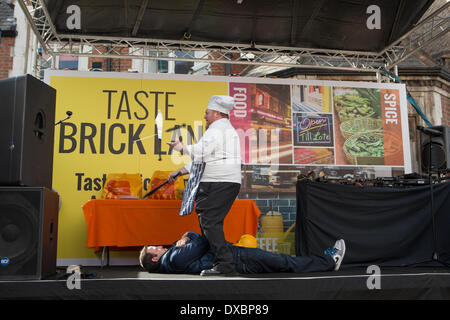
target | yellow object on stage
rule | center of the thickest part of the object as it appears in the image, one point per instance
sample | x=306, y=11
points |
x=122, y=186
x=171, y=191
x=246, y=240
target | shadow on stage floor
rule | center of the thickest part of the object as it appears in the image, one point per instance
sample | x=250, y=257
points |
x=120, y=282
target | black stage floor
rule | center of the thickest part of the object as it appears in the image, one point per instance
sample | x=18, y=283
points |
x=130, y=282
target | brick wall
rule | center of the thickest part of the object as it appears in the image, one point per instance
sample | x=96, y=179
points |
x=219, y=69
x=6, y=57
x=283, y=202
x=117, y=65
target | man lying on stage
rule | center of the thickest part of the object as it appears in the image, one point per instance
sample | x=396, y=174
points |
x=191, y=254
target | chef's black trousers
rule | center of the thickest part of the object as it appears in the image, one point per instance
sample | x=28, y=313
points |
x=212, y=203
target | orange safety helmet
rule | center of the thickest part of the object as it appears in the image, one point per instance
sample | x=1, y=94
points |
x=246, y=240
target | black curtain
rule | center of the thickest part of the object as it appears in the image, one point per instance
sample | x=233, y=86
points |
x=380, y=225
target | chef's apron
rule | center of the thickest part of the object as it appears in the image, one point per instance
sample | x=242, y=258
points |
x=190, y=192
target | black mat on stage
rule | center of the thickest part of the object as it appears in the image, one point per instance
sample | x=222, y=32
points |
x=381, y=225
x=130, y=283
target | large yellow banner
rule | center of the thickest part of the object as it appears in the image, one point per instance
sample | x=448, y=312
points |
x=281, y=123
x=112, y=130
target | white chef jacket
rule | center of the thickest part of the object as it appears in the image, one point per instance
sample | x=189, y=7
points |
x=220, y=149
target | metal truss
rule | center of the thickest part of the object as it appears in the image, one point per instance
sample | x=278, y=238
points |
x=217, y=53
x=41, y=23
x=430, y=29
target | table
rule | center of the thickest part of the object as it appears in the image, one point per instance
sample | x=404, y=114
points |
x=128, y=223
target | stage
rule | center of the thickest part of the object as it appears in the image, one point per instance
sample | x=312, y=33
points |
x=130, y=283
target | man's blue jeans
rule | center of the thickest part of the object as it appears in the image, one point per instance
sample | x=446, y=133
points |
x=255, y=260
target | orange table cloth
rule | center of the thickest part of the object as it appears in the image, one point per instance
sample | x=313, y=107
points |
x=127, y=223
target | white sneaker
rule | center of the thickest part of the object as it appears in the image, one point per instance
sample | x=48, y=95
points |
x=337, y=253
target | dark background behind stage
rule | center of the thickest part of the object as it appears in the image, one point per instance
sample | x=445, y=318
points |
x=383, y=226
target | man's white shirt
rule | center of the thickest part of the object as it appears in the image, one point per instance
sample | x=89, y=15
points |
x=221, y=150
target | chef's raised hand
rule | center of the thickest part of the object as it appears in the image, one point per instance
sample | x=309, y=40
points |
x=176, y=145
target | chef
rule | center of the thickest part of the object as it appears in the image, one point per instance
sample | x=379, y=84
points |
x=218, y=178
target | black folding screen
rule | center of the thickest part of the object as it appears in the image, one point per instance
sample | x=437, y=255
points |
x=383, y=226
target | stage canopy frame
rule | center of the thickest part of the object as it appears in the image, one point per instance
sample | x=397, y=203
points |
x=301, y=34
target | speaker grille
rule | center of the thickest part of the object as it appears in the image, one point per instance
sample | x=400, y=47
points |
x=19, y=233
x=440, y=150
x=28, y=232
x=438, y=159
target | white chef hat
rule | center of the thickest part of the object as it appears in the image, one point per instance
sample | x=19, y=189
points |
x=222, y=104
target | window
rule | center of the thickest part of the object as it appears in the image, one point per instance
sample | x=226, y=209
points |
x=170, y=66
x=68, y=63
x=157, y=66
x=184, y=67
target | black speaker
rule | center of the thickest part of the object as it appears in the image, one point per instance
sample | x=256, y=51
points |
x=27, y=108
x=28, y=232
x=440, y=150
